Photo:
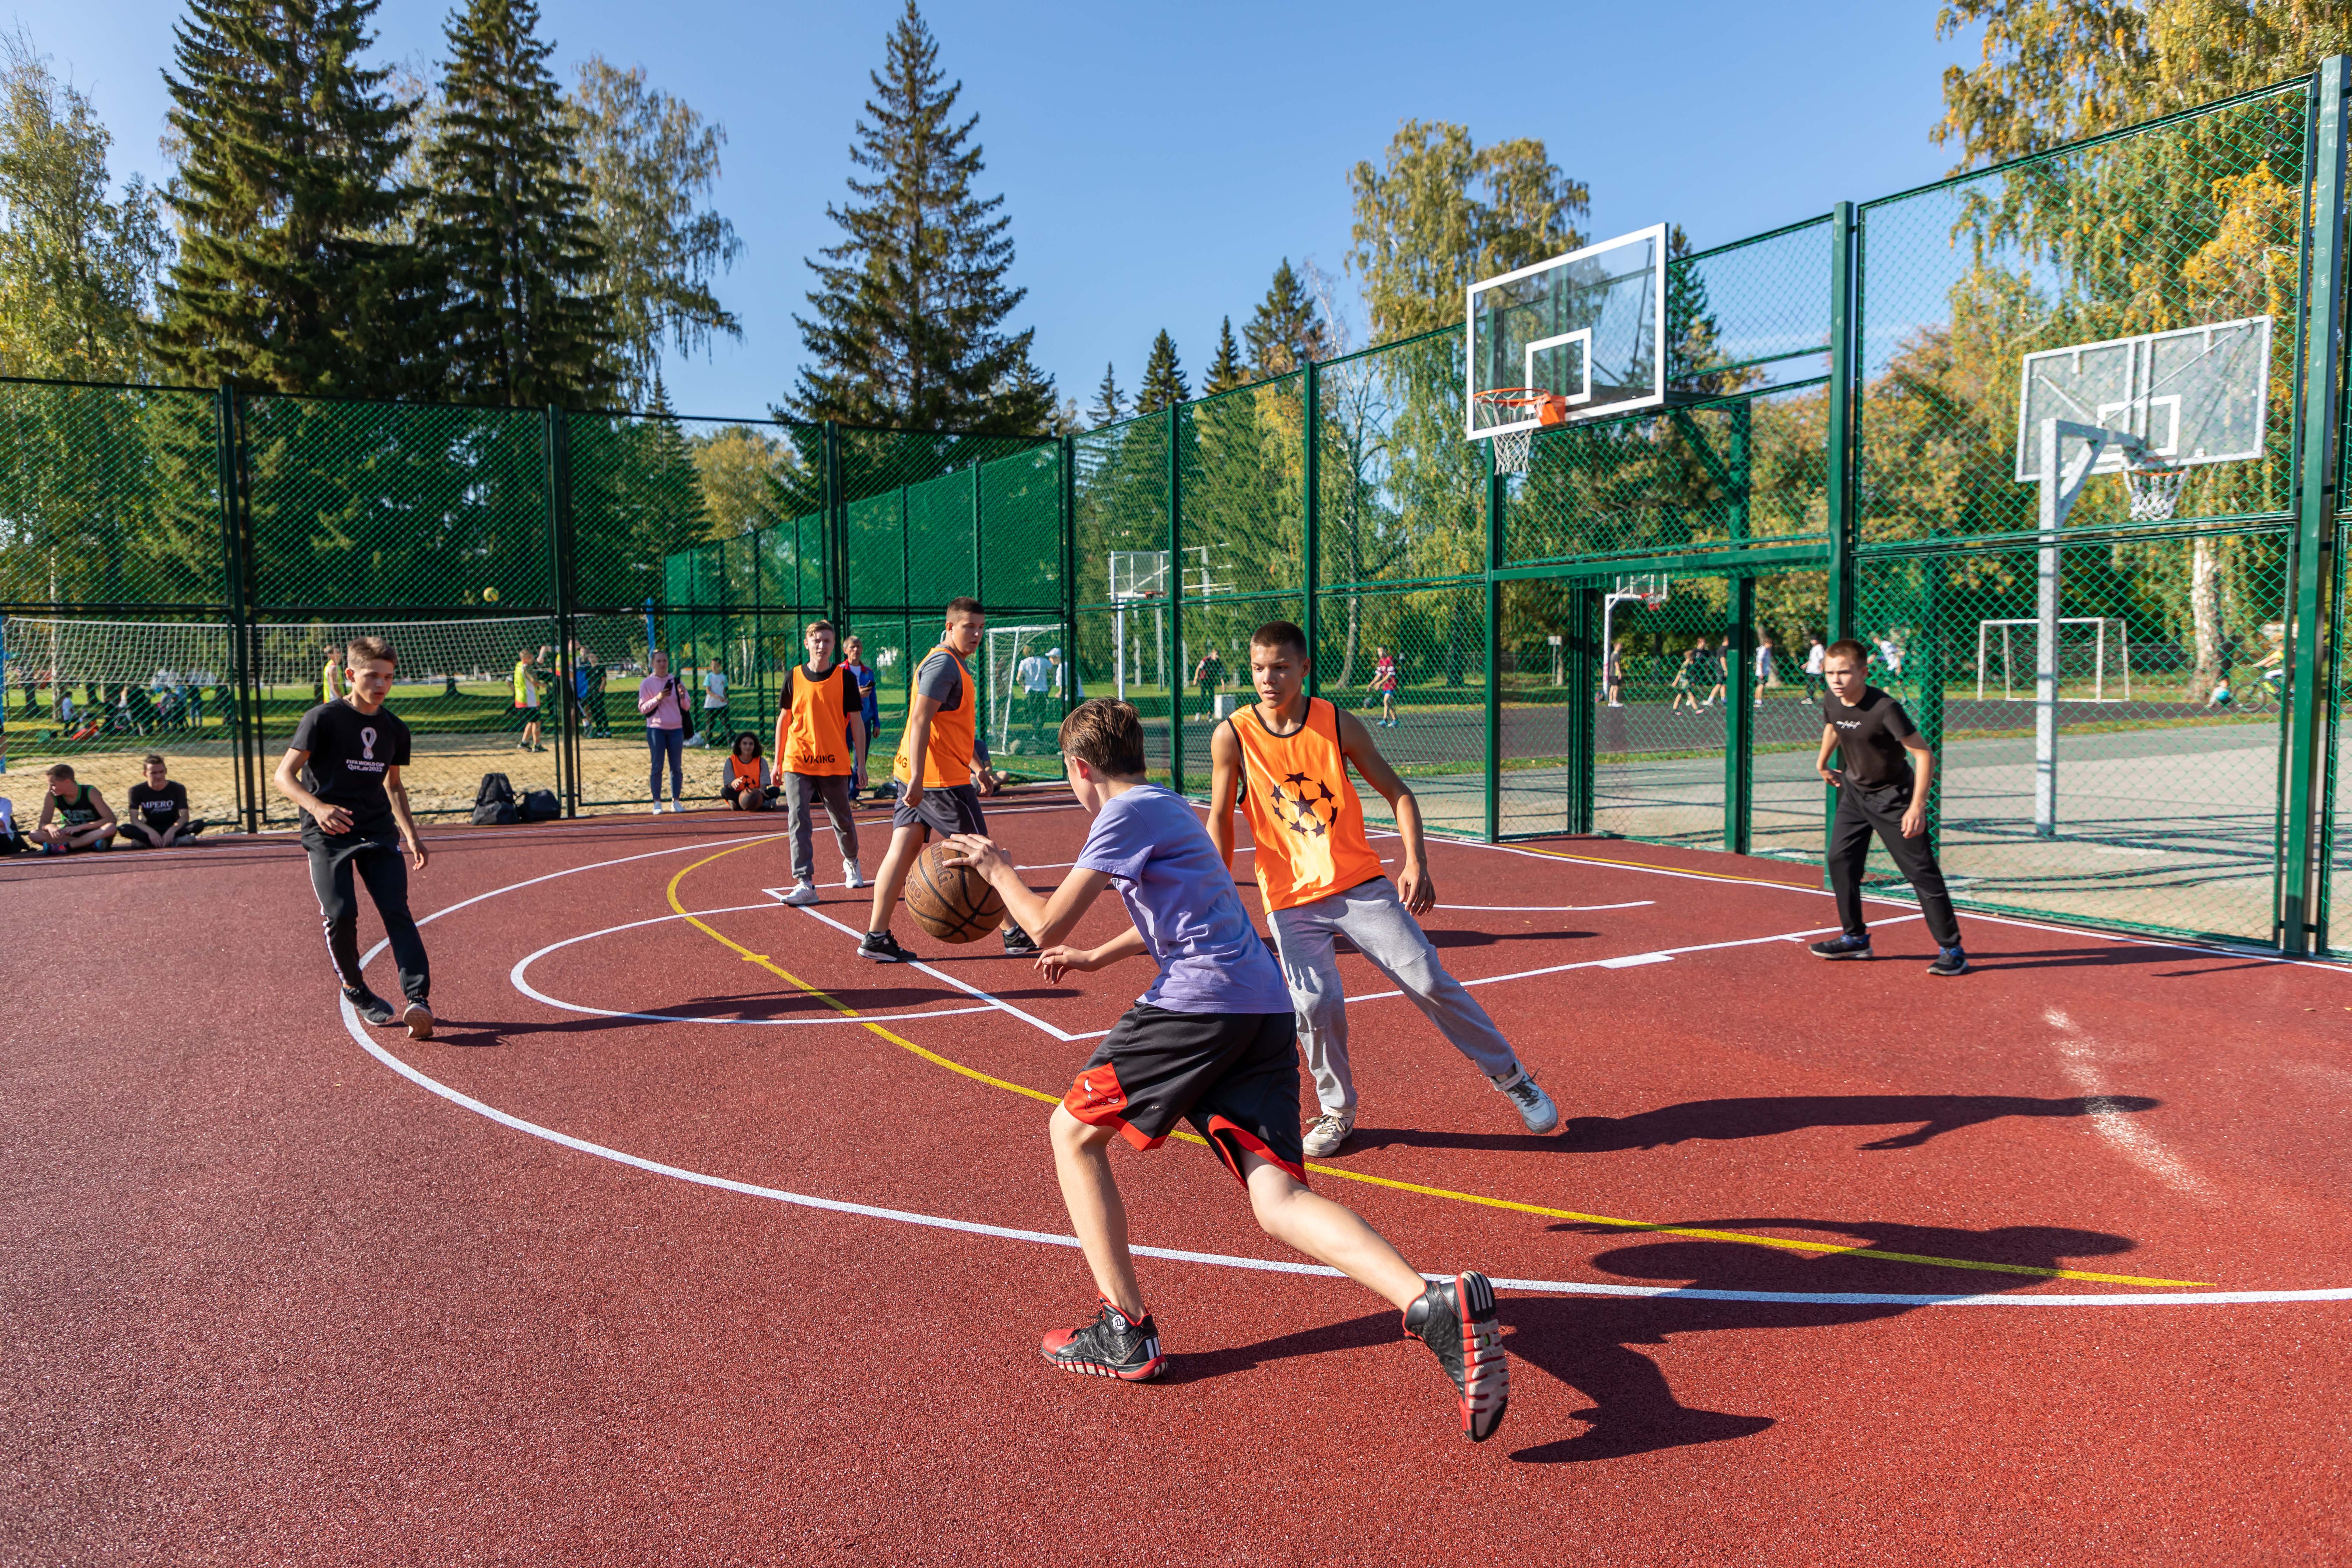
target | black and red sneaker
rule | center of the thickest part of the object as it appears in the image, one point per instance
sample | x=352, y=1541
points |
x=1456, y=1319
x=1110, y=1346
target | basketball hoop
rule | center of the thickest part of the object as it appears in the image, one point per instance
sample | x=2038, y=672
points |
x=1515, y=450
x=2155, y=492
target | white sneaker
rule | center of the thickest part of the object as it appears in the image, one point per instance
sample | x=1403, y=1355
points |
x=1535, y=1108
x=1331, y=1131
x=801, y=893
x=851, y=876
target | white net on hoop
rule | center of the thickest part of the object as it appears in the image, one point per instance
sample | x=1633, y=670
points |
x=2154, y=492
x=1514, y=451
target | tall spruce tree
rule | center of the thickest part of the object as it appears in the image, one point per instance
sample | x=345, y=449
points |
x=1227, y=370
x=507, y=222
x=1284, y=332
x=911, y=306
x=1163, y=378
x=1110, y=404
x=286, y=278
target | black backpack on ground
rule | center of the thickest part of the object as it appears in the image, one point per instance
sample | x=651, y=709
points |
x=541, y=805
x=494, y=802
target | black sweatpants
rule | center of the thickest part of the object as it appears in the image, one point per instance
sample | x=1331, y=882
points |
x=383, y=866
x=1861, y=811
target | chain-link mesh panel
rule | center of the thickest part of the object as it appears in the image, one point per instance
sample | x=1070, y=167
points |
x=111, y=496
x=793, y=563
x=360, y=505
x=1661, y=731
x=1021, y=530
x=1716, y=473
x=1543, y=626
x=2145, y=792
x=891, y=645
x=2338, y=738
x=1786, y=793
x=1121, y=503
x=1024, y=675
x=941, y=546
x=603, y=710
x=1243, y=461
x=1403, y=494
x=1751, y=314
x=97, y=695
x=874, y=461
x=464, y=688
x=879, y=551
x=1124, y=652
x=646, y=488
x=2185, y=223
x=1413, y=663
x=1215, y=667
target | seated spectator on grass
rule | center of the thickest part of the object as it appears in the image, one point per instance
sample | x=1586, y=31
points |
x=159, y=811
x=73, y=816
x=749, y=786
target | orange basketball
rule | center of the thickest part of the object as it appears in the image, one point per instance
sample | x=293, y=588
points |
x=952, y=903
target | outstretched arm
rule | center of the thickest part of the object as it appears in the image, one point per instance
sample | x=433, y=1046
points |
x=1224, y=780
x=1049, y=920
x=1416, y=886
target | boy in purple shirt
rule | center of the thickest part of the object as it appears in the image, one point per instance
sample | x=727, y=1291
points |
x=1212, y=1041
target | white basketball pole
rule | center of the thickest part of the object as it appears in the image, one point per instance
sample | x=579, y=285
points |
x=2046, y=647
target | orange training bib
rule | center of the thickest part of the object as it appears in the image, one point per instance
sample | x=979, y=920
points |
x=817, y=730
x=948, y=759
x=1304, y=816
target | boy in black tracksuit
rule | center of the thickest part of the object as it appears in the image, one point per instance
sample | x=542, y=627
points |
x=1879, y=791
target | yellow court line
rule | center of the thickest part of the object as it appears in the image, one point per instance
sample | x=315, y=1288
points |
x=764, y=962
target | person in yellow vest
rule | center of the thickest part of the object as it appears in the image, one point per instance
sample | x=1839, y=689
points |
x=820, y=755
x=940, y=770
x=331, y=676
x=526, y=698
x=1286, y=758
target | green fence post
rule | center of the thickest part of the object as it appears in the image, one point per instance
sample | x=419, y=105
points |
x=235, y=562
x=558, y=440
x=1740, y=657
x=1175, y=671
x=1069, y=508
x=2311, y=563
x=836, y=529
x=1845, y=383
x=1583, y=673
x=1497, y=499
x=1310, y=570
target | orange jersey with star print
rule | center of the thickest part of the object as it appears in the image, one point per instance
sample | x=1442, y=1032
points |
x=1304, y=816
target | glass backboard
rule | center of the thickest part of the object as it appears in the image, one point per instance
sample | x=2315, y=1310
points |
x=1584, y=326
x=2195, y=396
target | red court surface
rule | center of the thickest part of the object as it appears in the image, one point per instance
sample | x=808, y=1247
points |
x=656, y=1255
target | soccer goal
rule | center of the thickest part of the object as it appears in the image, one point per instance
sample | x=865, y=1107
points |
x=1021, y=722
x=2086, y=646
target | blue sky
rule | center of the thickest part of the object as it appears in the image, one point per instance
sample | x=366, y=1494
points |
x=1158, y=162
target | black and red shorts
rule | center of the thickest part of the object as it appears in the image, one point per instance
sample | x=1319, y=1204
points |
x=1234, y=1076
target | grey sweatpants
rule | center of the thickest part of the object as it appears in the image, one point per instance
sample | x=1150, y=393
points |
x=1373, y=918
x=802, y=792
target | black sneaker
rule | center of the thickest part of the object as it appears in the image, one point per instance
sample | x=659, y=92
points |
x=1110, y=1346
x=1949, y=961
x=883, y=948
x=1456, y=1319
x=371, y=1008
x=1016, y=941
x=1843, y=947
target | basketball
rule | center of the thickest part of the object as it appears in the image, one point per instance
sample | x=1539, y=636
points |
x=489, y=595
x=952, y=903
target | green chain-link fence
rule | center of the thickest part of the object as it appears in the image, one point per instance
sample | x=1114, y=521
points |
x=1846, y=448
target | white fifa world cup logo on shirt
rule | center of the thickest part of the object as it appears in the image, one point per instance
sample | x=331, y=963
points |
x=367, y=745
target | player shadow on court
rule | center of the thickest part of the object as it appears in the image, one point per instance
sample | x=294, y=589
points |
x=1717, y=1121
x=1447, y=939
x=1589, y=1343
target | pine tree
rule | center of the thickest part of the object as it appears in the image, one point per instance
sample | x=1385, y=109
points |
x=1110, y=404
x=1284, y=332
x=285, y=278
x=1163, y=378
x=507, y=222
x=1227, y=370
x=911, y=306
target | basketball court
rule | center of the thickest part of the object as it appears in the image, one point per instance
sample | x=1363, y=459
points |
x=692, y=1237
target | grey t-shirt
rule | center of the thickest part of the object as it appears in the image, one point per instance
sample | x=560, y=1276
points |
x=941, y=678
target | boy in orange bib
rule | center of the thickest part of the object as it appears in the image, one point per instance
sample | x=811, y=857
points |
x=820, y=753
x=1288, y=759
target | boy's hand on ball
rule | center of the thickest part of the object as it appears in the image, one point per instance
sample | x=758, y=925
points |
x=980, y=854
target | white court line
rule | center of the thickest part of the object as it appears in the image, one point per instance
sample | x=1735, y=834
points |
x=996, y=1002
x=1635, y=960
x=515, y=976
x=358, y=1032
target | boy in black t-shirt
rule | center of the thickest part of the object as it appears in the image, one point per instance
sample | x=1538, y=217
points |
x=1881, y=791
x=159, y=811
x=343, y=770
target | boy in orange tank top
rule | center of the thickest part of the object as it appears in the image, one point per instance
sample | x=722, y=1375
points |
x=1286, y=760
x=820, y=755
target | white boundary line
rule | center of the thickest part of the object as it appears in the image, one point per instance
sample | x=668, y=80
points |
x=358, y=1032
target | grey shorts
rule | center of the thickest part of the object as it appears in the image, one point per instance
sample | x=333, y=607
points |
x=945, y=809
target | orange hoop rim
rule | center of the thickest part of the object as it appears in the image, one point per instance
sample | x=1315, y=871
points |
x=1514, y=396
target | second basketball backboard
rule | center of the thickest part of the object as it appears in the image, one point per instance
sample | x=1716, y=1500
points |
x=2194, y=395
x=1584, y=326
